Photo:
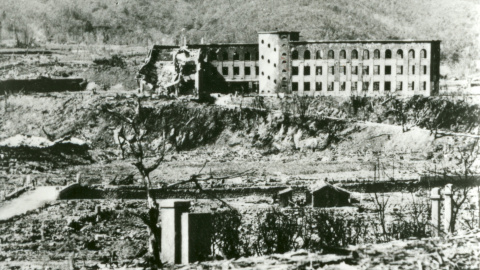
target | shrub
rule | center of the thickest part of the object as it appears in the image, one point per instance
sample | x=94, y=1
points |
x=226, y=237
x=338, y=231
x=276, y=232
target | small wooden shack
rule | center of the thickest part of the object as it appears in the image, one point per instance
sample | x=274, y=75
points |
x=285, y=197
x=327, y=195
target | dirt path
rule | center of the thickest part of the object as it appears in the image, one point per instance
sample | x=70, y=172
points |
x=28, y=201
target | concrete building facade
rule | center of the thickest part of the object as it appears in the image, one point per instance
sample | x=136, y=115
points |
x=281, y=63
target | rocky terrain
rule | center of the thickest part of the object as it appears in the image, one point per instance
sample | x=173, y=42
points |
x=397, y=149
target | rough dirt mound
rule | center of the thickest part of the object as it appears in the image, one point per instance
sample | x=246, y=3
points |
x=60, y=152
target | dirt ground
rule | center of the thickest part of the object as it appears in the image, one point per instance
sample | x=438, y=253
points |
x=57, y=233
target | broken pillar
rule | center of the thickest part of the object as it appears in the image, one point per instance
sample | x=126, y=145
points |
x=171, y=216
x=27, y=181
x=435, y=197
x=197, y=231
x=448, y=214
x=285, y=196
x=78, y=178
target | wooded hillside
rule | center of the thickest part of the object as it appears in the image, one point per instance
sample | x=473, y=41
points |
x=456, y=23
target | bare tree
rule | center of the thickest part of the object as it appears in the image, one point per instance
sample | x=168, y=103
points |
x=132, y=138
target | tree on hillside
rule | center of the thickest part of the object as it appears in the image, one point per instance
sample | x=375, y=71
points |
x=135, y=139
x=131, y=137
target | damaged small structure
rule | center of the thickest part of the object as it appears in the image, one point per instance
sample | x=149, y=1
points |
x=327, y=195
x=285, y=197
x=281, y=63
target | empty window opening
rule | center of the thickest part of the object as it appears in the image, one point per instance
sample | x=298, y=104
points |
x=284, y=61
x=388, y=70
x=224, y=56
x=424, y=70
x=284, y=71
x=424, y=86
x=294, y=55
x=343, y=70
x=388, y=54
x=387, y=86
x=306, y=55
x=268, y=45
x=257, y=70
x=354, y=54
x=306, y=71
x=366, y=54
x=411, y=86
x=268, y=61
x=275, y=81
x=284, y=55
x=284, y=78
x=225, y=71
x=247, y=71
x=413, y=69
x=318, y=86
x=236, y=70
x=319, y=71
x=319, y=55
x=376, y=86
x=274, y=65
x=399, y=54
x=399, y=70
x=262, y=41
x=365, y=86
x=268, y=77
x=246, y=57
x=366, y=70
x=423, y=53
x=399, y=86
x=354, y=86
x=411, y=54
x=294, y=86
x=274, y=49
x=343, y=54
x=213, y=56
x=354, y=70
x=263, y=74
x=343, y=86
x=294, y=70
x=306, y=86
x=263, y=57
x=331, y=70
x=331, y=54
x=376, y=54
x=330, y=87
x=236, y=56
x=376, y=70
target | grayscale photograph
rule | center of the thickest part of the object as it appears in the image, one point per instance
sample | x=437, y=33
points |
x=239, y=134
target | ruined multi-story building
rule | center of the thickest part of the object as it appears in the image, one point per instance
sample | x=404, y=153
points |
x=281, y=63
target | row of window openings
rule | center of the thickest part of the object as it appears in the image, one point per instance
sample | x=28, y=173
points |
x=365, y=86
x=246, y=57
x=366, y=70
x=354, y=54
x=236, y=71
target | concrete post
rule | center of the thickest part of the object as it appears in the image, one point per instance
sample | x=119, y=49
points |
x=448, y=208
x=478, y=204
x=436, y=198
x=171, y=216
x=98, y=209
x=78, y=178
x=197, y=231
x=28, y=181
